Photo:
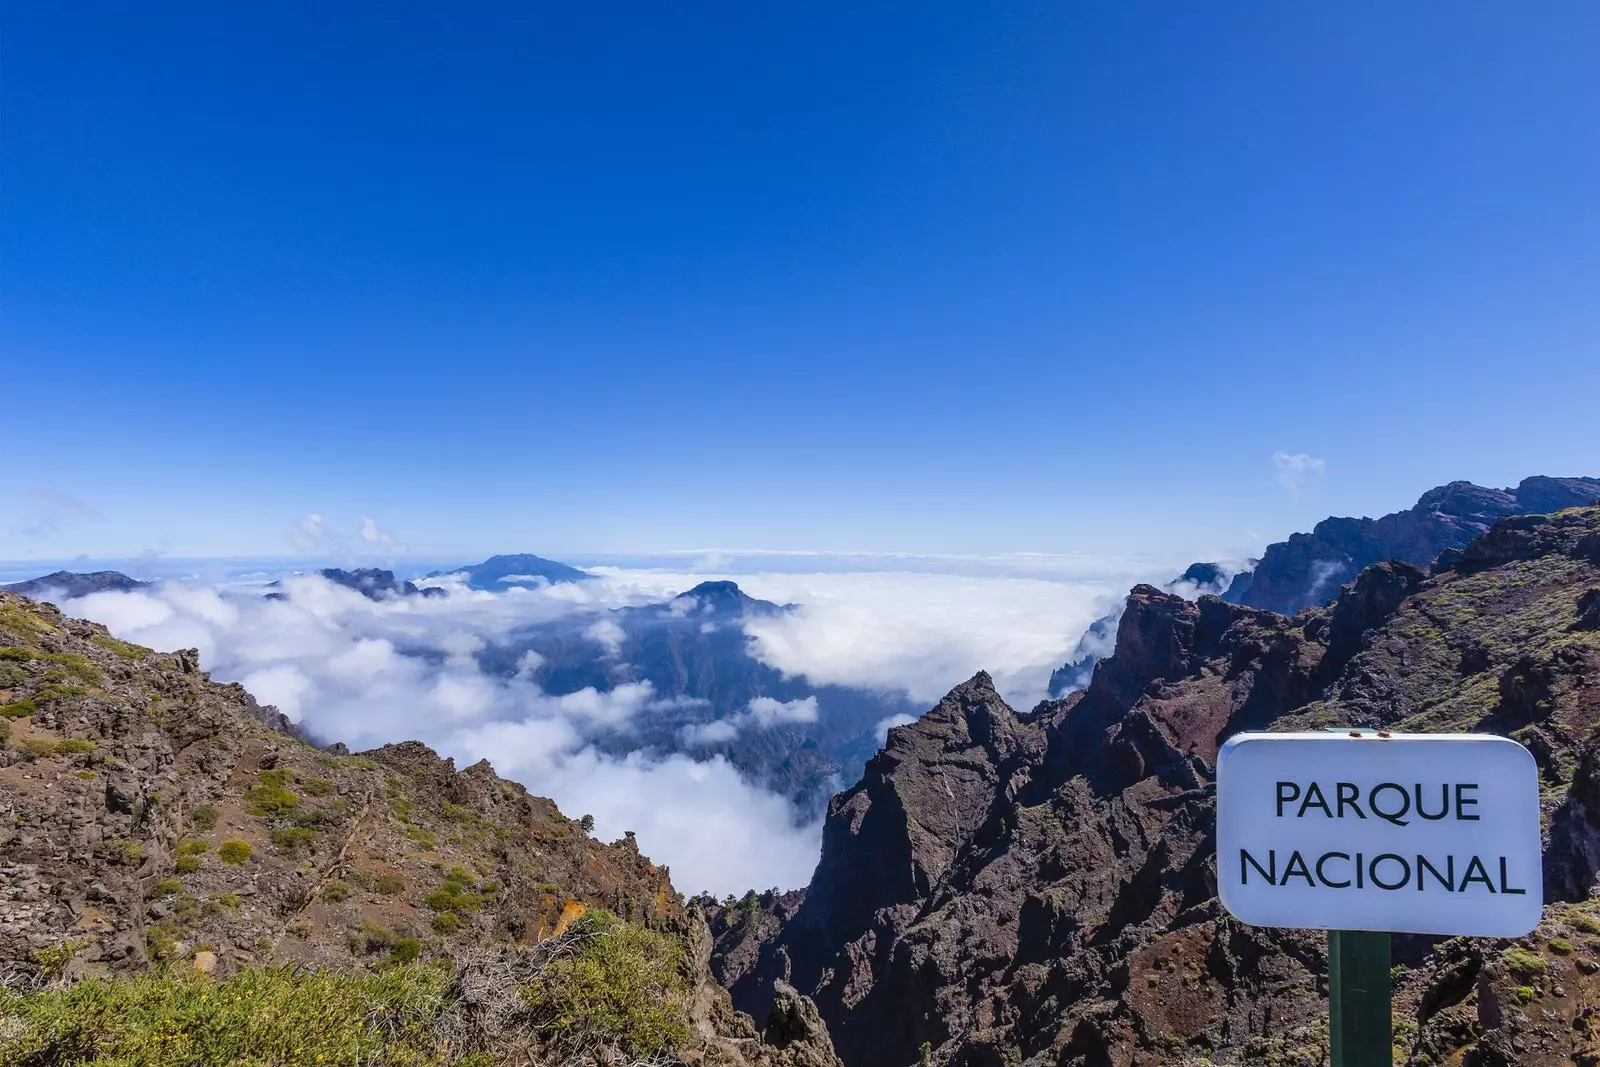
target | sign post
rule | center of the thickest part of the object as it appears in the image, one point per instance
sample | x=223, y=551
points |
x=1361, y=1028
x=1367, y=833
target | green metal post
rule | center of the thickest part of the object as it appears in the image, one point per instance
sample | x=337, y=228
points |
x=1361, y=1033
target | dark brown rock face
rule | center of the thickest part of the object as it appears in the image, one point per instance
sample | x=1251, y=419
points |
x=1040, y=889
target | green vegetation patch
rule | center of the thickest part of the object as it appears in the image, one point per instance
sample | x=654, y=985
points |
x=18, y=709
x=1523, y=964
x=269, y=801
x=261, y=1016
x=125, y=649
x=624, y=987
x=234, y=852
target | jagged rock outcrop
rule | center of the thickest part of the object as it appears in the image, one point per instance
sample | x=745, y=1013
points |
x=1040, y=889
x=371, y=582
x=1308, y=569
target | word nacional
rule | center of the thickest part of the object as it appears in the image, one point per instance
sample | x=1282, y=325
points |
x=1390, y=832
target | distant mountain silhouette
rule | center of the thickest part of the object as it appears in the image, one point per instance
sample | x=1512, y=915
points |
x=370, y=582
x=499, y=572
x=1308, y=569
x=66, y=585
x=695, y=652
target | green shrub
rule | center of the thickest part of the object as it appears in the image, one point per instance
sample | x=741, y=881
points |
x=235, y=851
x=126, y=849
x=291, y=839
x=187, y=864
x=405, y=950
x=33, y=748
x=230, y=901
x=18, y=709
x=53, y=959
x=1522, y=963
x=74, y=746
x=335, y=891
x=193, y=846
x=86, y=775
x=389, y=884
x=1561, y=946
x=121, y=648
x=317, y=787
x=447, y=922
x=5, y=731
x=1584, y=922
x=625, y=987
x=168, y=887
x=258, y=1017
x=372, y=937
x=269, y=801
x=205, y=817
x=277, y=778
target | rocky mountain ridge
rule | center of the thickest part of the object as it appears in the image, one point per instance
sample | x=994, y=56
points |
x=1309, y=568
x=1039, y=888
x=149, y=815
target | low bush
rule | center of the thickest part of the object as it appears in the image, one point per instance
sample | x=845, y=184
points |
x=234, y=851
x=205, y=817
x=260, y=1016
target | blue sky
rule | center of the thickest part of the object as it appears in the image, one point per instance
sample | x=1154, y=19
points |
x=923, y=277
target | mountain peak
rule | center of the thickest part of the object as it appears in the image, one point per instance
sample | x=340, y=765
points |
x=70, y=584
x=515, y=569
x=722, y=597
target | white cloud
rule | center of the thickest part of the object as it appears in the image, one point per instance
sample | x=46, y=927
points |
x=372, y=535
x=331, y=659
x=885, y=725
x=340, y=662
x=608, y=635
x=766, y=711
x=1295, y=469
x=761, y=713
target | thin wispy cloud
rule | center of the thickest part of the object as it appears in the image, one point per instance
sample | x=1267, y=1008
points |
x=1294, y=470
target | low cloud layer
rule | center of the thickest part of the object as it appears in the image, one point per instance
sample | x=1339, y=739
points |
x=368, y=673
x=336, y=662
x=913, y=632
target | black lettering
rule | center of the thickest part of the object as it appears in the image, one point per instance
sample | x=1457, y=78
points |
x=1360, y=873
x=1448, y=879
x=1379, y=882
x=1444, y=803
x=1296, y=868
x=1505, y=888
x=1314, y=799
x=1462, y=801
x=1287, y=798
x=1322, y=875
x=1396, y=817
x=1481, y=876
x=1269, y=872
x=1348, y=793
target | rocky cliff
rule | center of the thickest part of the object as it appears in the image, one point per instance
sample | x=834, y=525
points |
x=1309, y=568
x=149, y=815
x=1040, y=888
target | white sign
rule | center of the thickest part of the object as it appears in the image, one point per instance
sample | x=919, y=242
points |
x=1409, y=833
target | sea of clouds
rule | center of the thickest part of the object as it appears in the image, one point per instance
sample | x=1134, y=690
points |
x=370, y=672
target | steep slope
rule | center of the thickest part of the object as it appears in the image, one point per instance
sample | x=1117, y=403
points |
x=1308, y=569
x=1040, y=889
x=1097, y=642
x=500, y=572
x=148, y=814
